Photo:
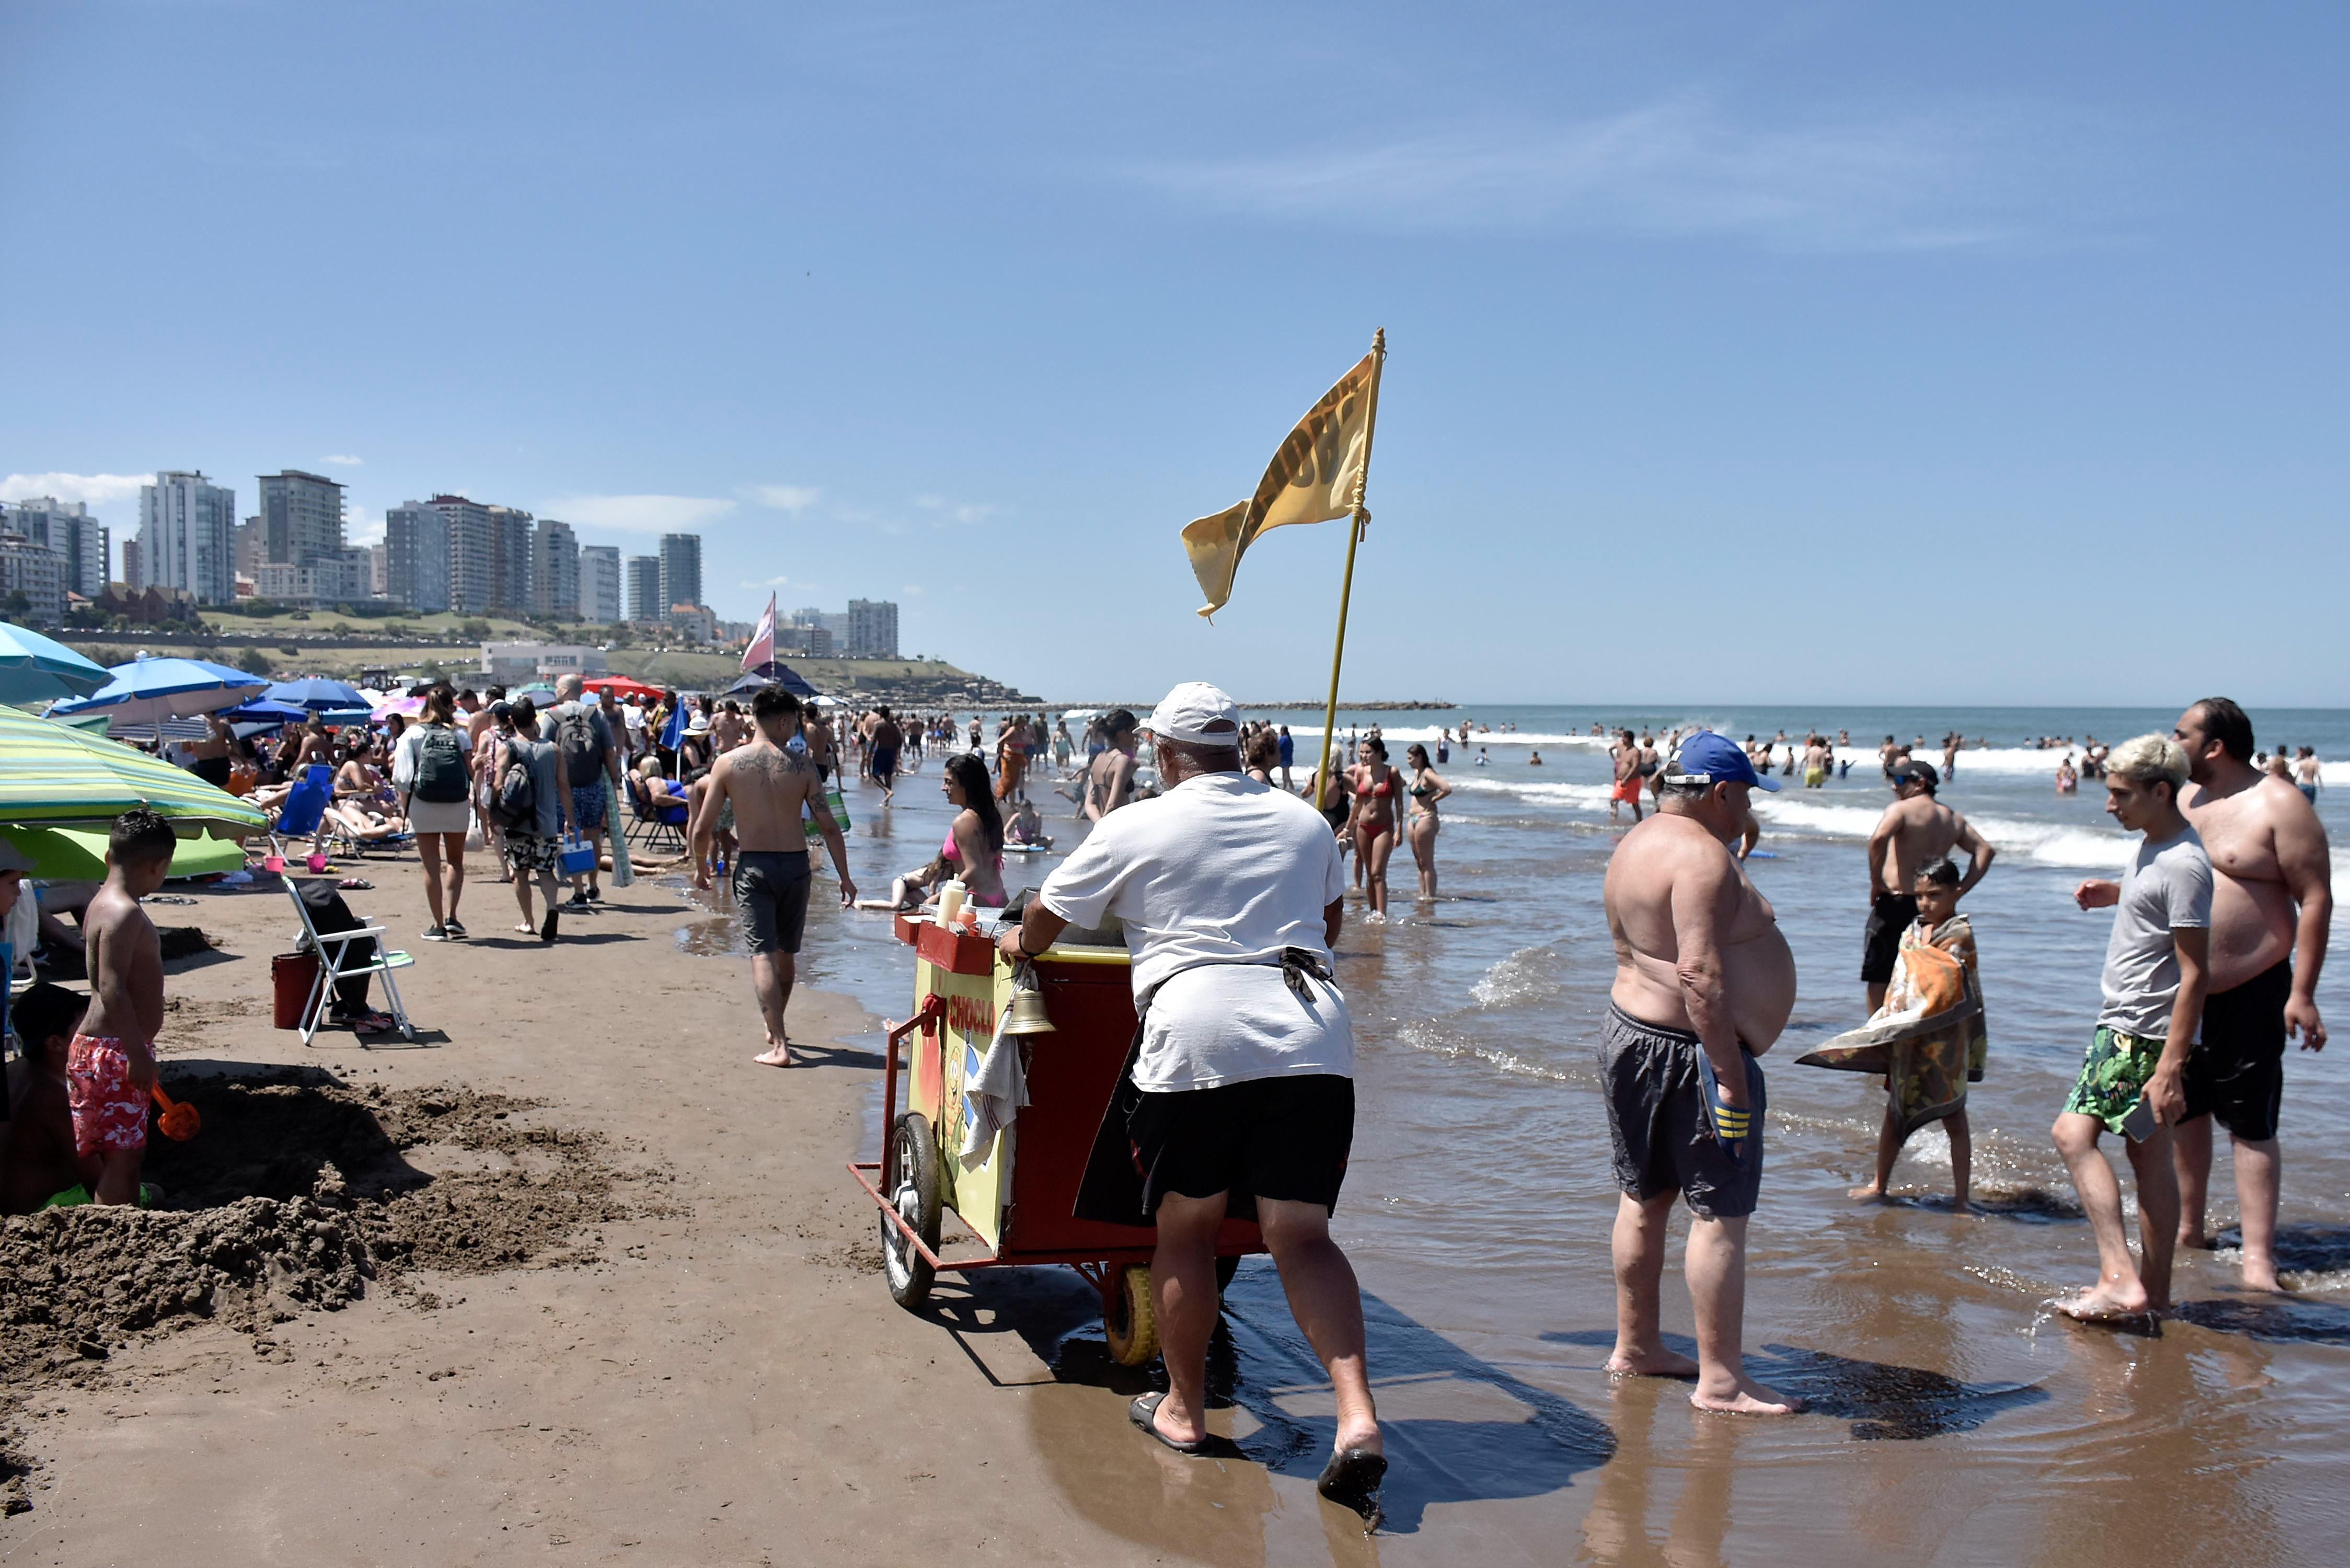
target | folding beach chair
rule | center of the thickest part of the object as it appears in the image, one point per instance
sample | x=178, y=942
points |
x=299, y=816
x=338, y=963
x=657, y=827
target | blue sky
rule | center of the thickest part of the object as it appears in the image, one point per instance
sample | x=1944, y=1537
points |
x=1806, y=353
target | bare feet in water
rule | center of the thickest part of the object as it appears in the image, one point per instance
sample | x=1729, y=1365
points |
x=1746, y=1398
x=2103, y=1302
x=1868, y=1194
x=2260, y=1274
x=1656, y=1363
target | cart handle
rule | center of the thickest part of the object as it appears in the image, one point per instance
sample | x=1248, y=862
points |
x=931, y=1009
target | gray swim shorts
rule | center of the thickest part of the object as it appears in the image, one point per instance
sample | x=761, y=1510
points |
x=771, y=888
x=1655, y=1111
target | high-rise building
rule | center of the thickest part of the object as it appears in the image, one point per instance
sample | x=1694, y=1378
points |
x=379, y=557
x=301, y=518
x=134, y=575
x=32, y=581
x=250, y=550
x=872, y=629
x=554, y=569
x=416, y=558
x=67, y=527
x=599, y=584
x=471, y=553
x=680, y=570
x=187, y=535
x=646, y=604
x=510, y=559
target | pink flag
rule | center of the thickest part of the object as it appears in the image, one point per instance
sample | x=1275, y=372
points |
x=762, y=641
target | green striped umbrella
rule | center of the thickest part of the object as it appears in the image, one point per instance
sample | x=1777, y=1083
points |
x=52, y=773
x=78, y=854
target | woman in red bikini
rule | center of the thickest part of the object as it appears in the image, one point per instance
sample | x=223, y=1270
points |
x=1377, y=788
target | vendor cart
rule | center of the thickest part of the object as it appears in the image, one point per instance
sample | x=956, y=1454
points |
x=1016, y=1201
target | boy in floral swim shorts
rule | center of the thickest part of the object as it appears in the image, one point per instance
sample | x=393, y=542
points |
x=111, y=1067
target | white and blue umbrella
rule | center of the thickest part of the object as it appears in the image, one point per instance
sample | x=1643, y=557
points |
x=33, y=668
x=148, y=689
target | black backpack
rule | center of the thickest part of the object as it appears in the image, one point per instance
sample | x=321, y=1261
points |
x=513, y=805
x=440, y=766
x=576, y=738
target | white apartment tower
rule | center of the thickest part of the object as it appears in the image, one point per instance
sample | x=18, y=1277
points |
x=599, y=584
x=187, y=535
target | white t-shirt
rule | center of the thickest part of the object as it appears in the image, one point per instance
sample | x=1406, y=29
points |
x=1212, y=880
x=2168, y=887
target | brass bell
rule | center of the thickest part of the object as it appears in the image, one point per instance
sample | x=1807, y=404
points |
x=1028, y=1014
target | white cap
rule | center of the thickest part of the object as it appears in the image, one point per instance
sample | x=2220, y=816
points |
x=1186, y=713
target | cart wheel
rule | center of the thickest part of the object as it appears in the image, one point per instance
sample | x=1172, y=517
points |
x=1128, y=1320
x=912, y=1173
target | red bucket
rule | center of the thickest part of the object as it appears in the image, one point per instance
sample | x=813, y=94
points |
x=293, y=975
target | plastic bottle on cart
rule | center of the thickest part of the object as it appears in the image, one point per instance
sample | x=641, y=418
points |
x=951, y=899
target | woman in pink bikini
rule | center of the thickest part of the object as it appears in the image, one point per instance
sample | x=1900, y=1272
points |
x=1377, y=787
x=974, y=849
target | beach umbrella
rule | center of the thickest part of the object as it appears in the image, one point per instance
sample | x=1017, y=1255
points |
x=78, y=854
x=262, y=710
x=315, y=695
x=147, y=689
x=51, y=773
x=774, y=672
x=623, y=687
x=33, y=668
x=541, y=695
x=406, y=707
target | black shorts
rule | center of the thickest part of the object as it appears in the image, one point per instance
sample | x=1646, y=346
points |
x=213, y=771
x=771, y=888
x=2236, y=1073
x=1656, y=1113
x=1880, y=944
x=885, y=763
x=1285, y=1138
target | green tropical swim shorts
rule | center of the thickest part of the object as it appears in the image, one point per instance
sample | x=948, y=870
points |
x=2114, y=1077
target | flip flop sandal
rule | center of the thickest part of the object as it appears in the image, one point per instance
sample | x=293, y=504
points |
x=1352, y=1478
x=1144, y=1413
x=356, y=885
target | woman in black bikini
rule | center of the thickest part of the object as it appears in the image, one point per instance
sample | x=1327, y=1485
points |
x=1375, y=787
x=1426, y=789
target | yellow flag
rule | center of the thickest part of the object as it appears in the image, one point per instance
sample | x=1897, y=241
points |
x=1316, y=476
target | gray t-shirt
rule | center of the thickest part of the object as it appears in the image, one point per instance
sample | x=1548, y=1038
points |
x=540, y=755
x=2167, y=887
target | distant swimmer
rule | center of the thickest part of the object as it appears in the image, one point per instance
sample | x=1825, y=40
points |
x=1533, y=760
x=1704, y=982
x=1109, y=782
x=1624, y=756
x=2308, y=772
x=1914, y=831
x=1482, y=758
x=1887, y=754
x=2068, y=779
x=2131, y=1080
x=1815, y=764
x=2272, y=908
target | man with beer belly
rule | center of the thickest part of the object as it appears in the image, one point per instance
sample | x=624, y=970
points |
x=1704, y=983
x=2271, y=903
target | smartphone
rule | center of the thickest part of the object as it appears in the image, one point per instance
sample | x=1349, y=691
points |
x=2140, y=1125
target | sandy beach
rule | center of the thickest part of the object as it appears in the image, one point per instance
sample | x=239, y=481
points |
x=719, y=1379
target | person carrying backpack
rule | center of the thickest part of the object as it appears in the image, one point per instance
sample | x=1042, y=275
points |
x=530, y=798
x=432, y=769
x=590, y=756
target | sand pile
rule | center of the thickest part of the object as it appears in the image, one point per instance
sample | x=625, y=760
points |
x=297, y=1192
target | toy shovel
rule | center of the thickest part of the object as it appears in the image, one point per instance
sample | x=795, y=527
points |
x=179, y=1122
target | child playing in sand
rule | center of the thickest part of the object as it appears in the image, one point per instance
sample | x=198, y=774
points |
x=40, y=1163
x=110, y=1066
x=1936, y=979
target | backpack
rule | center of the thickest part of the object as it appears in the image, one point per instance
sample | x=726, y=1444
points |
x=440, y=767
x=582, y=749
x=514, y=806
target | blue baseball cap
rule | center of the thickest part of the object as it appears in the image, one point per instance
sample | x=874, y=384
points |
x=1711, y=759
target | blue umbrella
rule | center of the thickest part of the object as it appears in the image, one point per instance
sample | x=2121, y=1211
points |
x=317, y=695
x=35, y=669
x=147, y=689
x=267, y=711
x=773, y=673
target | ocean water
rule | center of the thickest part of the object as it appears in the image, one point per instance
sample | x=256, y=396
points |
x=1952, y=1418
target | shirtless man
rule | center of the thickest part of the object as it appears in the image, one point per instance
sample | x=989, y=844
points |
x=111, y=1067
x=768, y=784
x=1625, y=759
x=1703, y=980
x=1815, y=764
x=817, y=732
x=2271, y=903
x=1914, y=831
x=882, y=743
x=1109, y=783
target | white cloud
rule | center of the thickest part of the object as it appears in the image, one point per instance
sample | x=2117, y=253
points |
x=361, y=526
x=913, y=590
x=770, y=583
x=1908, y=181
x=782, y=497
x=343, y=460
x=636, y=514
x=961, y=511
x=96, y=489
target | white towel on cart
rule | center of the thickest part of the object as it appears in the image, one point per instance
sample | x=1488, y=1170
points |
x=993, y=1095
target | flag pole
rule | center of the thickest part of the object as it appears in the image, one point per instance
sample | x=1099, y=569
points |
x=1355, y=525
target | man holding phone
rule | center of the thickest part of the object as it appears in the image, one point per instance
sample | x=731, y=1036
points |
x=2157, y=972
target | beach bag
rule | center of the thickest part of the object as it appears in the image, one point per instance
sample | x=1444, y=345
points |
x=440, y=774
x=514, y=806
x=839, y=807
x=575, y=737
